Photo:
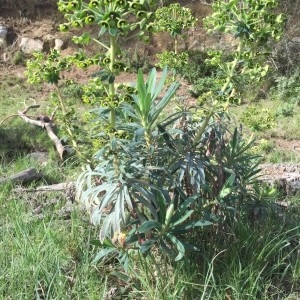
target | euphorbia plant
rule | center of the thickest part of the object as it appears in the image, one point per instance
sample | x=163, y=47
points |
x=253, y=23
x=176, y=20
x=115, y=19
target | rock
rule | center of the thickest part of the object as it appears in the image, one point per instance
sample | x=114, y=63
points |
x=3, y=34
x=58, y=44
x=40, y=157
x=29, y=46
x=285, y=176
x=5, y=57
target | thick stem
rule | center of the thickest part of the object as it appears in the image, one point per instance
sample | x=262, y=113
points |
x=176, y=44
x=112, y=92
x=111, y=87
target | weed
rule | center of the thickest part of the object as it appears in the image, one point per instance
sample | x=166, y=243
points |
x=18, y=58
x=258, y=119
x=285, y=110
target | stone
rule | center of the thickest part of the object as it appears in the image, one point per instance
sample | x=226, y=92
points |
x=58, y=44
x=3, y=34
x=40, y=157
x=29, y=46
x=5, y=57
x=285, y=176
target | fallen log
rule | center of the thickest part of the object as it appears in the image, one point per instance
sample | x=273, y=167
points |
x=25, y=176
x=67, y=188
x=59, y=187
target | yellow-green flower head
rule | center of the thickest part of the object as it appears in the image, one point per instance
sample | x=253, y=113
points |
x=106, y=60
x=76, y=24
x=134, y=5
x=62, y=64
x=83, y=64
x=115, y=100
x=94, y=4
x=73, y=5
x=121, y=23
x=69, y=82
x=128, y=98
x=90, y=61
x=78, y=56
x=117, y=66
x=104, y=24
x=121, y=3
x=90, y=19
x=130, y=89
x=113, y=15
x=141, y=14
x=64, y=27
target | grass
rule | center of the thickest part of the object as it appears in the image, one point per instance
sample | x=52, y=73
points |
x=285, y=129
x=46, y=258
x=50, y=258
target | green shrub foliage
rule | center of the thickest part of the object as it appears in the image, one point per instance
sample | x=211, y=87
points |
x=157, y=175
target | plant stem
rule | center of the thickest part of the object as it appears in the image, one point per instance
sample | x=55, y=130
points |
x=101, y=44
x=111, y=87
x=112, y=92
x=176, y=44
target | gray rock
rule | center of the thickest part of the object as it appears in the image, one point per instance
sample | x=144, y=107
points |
x=29, y=46
x=58, y=44
x=3, y=34
x=285, y=176
x=40, y=157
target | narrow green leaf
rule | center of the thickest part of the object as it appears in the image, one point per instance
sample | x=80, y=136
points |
x=146, y=246
x=183, y=207
x=183, y=218
x=148, y=225
x=190, y=225
x=178, y=245
x=102, y=254
x=96, y=243
x=122, y=276
x=161, y=208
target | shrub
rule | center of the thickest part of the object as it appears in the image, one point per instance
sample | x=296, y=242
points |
x=285, y=110
x=204, y=85
x=258, y=118
x=288, y=87
x=18, y=58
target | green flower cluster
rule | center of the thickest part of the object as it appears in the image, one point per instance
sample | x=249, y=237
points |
x=40, y=69
x=174, y=19
x=251, y=20
x=173, y=60
x=97, y=93
x=114, y=16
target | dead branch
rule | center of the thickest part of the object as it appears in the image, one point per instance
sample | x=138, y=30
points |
x=46, y=123
x=59, y=187
x=67, y=188
x=23, y=177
